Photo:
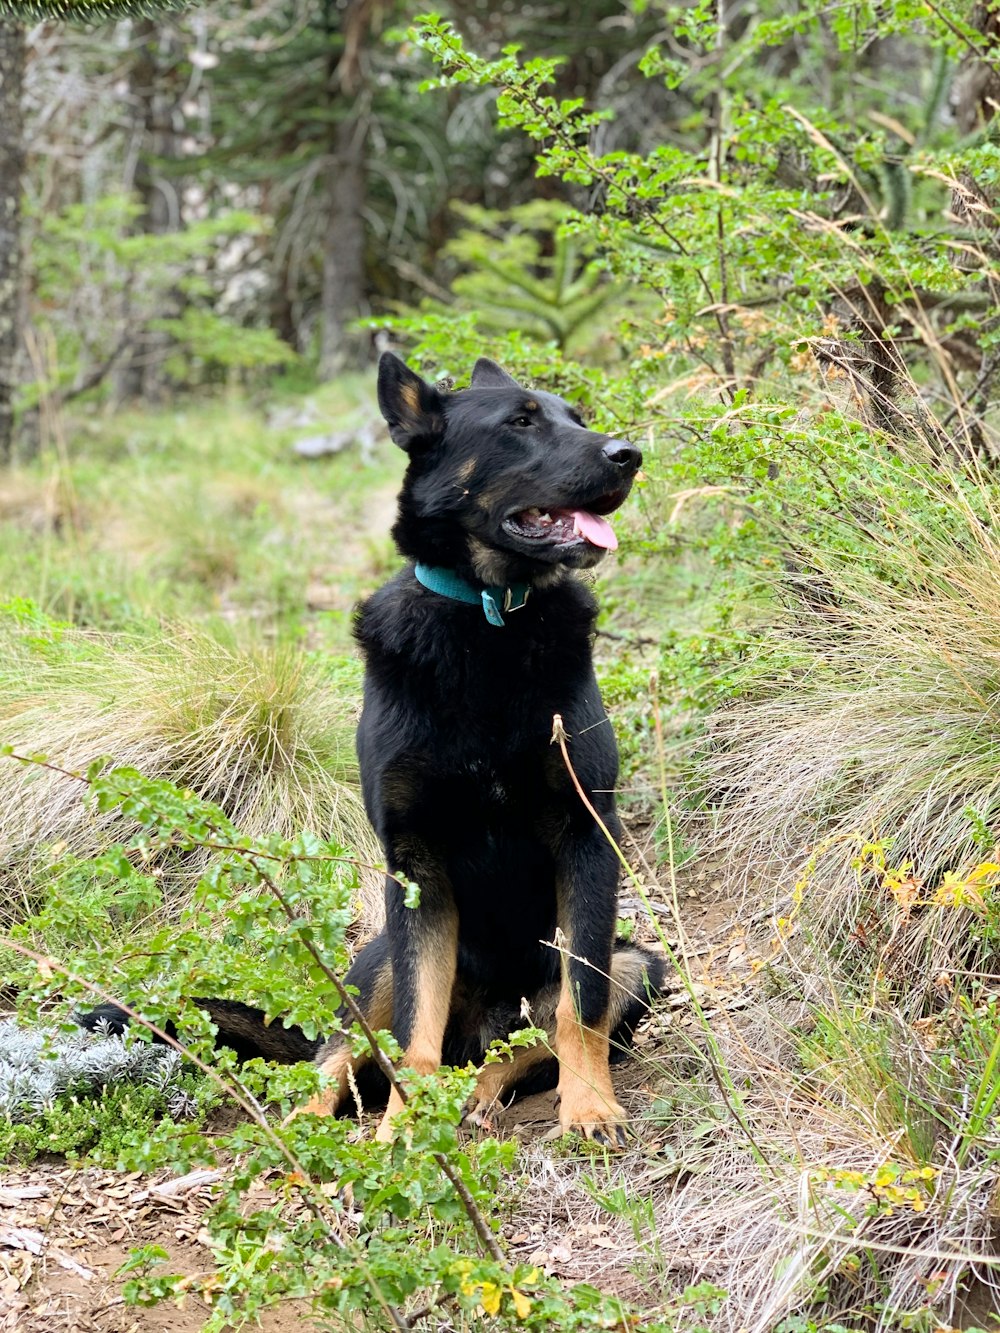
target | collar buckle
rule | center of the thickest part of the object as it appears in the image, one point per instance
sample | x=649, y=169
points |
x=494, y=600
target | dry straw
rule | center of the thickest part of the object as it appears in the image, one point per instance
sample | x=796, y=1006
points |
x=869, y=714
x=264, y=732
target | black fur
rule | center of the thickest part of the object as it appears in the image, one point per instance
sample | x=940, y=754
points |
x=242, y=1028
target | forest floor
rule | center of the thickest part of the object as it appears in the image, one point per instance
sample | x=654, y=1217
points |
x=163, y=517
x=66, y=1232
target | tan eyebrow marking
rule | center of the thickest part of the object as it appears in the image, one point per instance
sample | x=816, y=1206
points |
x=531, y=405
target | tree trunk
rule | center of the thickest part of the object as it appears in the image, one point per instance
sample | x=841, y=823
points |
x=343, y=293
x=153, y=138
x=344, y=250
x=11, y=170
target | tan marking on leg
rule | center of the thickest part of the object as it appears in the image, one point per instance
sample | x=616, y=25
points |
x=435, y=981
x=339, y=1064
x=587, y=1102
x=328, y=1099
x=495, y=1080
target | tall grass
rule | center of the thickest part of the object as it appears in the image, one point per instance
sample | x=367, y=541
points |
x=859, y=758
x=266, y=732
x=875, y=1205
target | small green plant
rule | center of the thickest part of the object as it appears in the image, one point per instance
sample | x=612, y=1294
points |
x=111, y=1128
x=523, y=270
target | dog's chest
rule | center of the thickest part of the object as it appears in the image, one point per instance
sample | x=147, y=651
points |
x=493, y=786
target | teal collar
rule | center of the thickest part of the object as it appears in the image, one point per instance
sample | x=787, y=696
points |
x=493, y=600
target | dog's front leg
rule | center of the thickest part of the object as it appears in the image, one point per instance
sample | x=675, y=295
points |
x=424, y=945
x=587, y=905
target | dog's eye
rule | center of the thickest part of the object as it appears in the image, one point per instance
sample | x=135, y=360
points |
x=522, y=421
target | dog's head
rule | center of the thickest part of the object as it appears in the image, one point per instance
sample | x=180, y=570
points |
x=504, y=482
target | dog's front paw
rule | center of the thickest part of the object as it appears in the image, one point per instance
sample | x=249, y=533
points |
x=386, y=1131
x=594, y=1118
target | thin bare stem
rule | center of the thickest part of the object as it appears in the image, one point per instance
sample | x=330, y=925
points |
x=730, y=1097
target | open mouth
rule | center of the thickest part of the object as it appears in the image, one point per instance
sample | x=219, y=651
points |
x=566, y=527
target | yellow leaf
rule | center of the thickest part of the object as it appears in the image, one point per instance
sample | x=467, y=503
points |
x=521, y=1303
x=490, y=1298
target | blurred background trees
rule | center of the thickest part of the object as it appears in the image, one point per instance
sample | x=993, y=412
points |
x=347, y=190
x=304, y=113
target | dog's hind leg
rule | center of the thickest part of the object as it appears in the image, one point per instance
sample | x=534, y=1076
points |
x=636, y=979
x=371, y=976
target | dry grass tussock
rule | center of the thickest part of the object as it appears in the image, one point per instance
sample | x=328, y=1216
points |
x=265, y=732
x=856, y=1191
x=781, y=1207
x=871, y=714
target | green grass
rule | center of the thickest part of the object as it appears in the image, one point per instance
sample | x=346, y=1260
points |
x=200, y=510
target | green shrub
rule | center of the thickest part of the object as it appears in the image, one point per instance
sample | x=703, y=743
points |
x=268, y=922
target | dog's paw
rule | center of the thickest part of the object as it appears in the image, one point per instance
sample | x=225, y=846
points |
x=386, y=1131
x=476, y=1112
x=602, y=1122
x=323, y=1103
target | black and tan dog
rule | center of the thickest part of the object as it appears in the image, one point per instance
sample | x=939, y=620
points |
x=470, y=651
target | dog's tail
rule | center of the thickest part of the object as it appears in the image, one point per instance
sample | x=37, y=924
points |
x=242, y=1028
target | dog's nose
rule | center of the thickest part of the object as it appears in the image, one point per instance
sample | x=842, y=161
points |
x=623, y=454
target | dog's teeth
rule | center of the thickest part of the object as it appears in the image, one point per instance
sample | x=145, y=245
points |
x=544, y=518
x=531, y=513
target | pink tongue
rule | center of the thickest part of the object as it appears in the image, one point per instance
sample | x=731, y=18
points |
x=598, y=531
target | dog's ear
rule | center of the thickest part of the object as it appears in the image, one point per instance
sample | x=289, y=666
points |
x=486, y=374
x=411, y=406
